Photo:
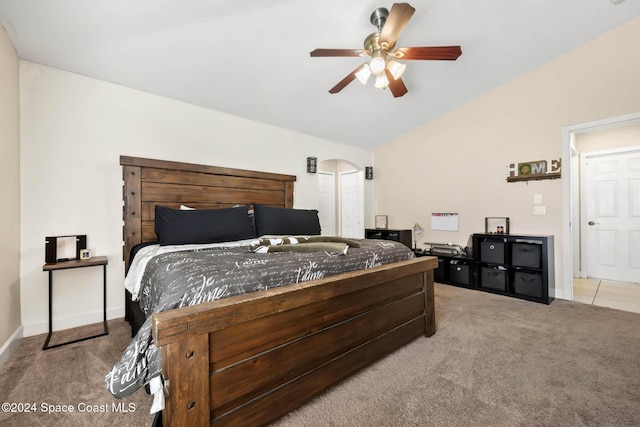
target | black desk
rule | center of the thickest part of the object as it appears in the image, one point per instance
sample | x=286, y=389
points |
x=64, y=265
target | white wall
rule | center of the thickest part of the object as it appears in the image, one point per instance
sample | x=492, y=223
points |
x=75, y=128
x=457, y=163
x=10, y=191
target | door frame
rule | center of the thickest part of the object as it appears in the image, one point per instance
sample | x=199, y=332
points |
x=570, y=188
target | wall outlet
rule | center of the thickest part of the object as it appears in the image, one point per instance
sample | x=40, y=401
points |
x=539, y=210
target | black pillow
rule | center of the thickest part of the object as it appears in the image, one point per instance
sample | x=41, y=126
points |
x=178, y=227
x=284, y=221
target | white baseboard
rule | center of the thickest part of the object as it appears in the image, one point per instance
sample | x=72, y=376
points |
x=12, y=343
x=61, y=323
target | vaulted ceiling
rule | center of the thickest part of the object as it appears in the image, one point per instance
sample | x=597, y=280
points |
x=251, y=58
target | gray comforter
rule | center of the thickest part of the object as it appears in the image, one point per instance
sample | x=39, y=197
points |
x=186, y=278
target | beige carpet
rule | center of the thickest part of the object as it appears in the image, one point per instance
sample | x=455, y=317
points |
x=71, y=375
x=494, y=361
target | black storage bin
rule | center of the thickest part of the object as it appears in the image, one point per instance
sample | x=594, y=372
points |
x=439, y=274
x=492, y=251
x=493, y=278
x=526, y=255
x=459, y=273
x=529, y=284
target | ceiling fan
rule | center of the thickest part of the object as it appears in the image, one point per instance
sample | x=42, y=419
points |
x=380, y=47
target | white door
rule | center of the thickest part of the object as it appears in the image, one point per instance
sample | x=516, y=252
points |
x=327, y=209
x=351, y=205
x=611, y=222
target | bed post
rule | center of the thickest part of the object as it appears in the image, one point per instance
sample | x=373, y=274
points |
x=429, y=304
x=288, y=194
x=131, y=211
x=185, y=367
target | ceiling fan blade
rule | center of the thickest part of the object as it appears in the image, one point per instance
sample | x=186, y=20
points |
x=337, y=52
x=398, y=17
x=397, y=86
x=348, y=79
x=450, y=53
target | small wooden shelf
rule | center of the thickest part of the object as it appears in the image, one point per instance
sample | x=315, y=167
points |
x=76, y=263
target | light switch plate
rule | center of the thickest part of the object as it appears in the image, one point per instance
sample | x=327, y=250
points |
x=537, y=199
x=539, y=210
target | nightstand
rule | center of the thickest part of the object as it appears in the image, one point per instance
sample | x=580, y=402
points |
x=402, y=236
x=64, y=265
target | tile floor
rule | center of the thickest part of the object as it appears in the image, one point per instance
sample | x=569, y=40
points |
x=607, y=293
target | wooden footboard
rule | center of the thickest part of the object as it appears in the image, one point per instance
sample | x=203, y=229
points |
x=248, y=360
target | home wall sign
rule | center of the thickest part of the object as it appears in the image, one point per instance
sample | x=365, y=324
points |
x=535, y=170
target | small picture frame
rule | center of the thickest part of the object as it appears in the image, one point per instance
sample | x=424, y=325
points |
x=496, y=225
x=381, y=221
x=85, y=254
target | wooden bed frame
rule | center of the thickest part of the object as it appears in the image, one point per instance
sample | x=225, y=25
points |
x=249, y=359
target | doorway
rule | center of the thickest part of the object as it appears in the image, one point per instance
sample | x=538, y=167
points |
x=327, y=208
x=351, y=205
x=610, y=237
x=342, y=198
x=573, y=215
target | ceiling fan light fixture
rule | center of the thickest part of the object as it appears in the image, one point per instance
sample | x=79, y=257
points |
x=364, y=74
x=380, y=47
x=396, y=69
x=381, y=81
x=377, y=65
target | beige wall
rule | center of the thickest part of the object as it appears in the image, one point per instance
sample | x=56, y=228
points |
x=608, y=139
x=457, y=163
x=10, y=190
x=74, y=129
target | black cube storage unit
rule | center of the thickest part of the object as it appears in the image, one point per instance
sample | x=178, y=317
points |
x=402, y=236
x=517, y=266
x=452, y=269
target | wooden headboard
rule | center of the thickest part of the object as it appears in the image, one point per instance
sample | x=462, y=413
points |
x=149, y=182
